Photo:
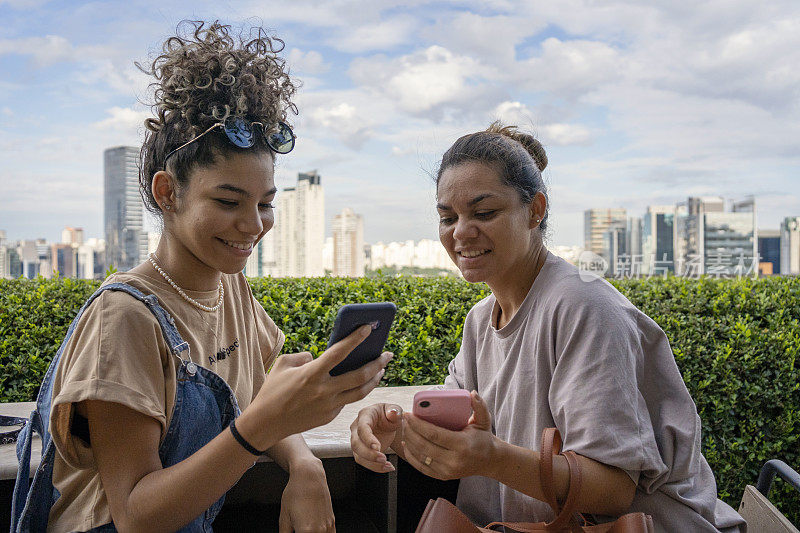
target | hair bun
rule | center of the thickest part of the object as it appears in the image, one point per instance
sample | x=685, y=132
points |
x=528, y=141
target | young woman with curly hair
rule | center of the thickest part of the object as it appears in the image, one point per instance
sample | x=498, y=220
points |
x=145, y=425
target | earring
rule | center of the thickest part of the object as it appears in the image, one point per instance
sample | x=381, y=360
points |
x=167, y=207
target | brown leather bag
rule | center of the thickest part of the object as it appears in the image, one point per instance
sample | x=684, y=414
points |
x=441, y=516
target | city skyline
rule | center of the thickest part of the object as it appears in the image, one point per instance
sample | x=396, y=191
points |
x=636, y=105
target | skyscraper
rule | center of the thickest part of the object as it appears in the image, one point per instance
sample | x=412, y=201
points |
x=769, y=251
x=348, y=244
x=5, y=258
x=790, y=246
x=634, y=236
x=658, y=235
x=126, y=240
x=715, y=242
x=299, y=232
x=596, y=222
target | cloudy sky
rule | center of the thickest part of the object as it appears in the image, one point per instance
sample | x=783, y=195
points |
x=637, y=103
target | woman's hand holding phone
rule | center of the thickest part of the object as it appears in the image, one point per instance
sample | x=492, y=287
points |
x=445, y=454
x=299, y=392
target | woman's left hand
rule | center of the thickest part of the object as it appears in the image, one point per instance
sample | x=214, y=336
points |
x=445, y=454
x=306, y=501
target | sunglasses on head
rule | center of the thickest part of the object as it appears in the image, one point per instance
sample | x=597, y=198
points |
x=241, y=133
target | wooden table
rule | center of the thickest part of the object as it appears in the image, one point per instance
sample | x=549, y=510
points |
x=359, y=496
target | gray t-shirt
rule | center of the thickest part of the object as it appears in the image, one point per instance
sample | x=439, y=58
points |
x=580, y=357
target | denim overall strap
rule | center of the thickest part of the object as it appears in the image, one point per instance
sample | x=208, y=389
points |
x=204, y=406
x=31, y=503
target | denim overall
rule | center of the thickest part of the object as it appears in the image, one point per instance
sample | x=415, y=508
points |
x=204, y=406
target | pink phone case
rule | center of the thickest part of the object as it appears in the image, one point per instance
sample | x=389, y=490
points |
x=449, y=408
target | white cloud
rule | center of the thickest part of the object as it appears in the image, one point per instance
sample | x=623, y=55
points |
x=44, y=51
x=22, y=4
x=565, y=135
x=420, y=81
x=344, y=121
x=120, y=75
x=557, y=134
x=379, y=35
x=123, y=118
x=514, y=113
x=489, y=39
x=310, y=62
x=568, y=69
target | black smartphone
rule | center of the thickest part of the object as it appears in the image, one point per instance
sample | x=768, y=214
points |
x=352, y=316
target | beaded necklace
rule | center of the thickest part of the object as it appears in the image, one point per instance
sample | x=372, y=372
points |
x=152, y=259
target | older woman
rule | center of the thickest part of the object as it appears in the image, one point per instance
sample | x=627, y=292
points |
x=548, y=348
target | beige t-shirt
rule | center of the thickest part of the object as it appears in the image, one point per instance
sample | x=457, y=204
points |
x=580, y=357
x=118, y=354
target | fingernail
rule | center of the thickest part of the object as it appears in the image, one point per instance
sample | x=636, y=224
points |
x=389, y=467
x=375, y=446
x=381, y=373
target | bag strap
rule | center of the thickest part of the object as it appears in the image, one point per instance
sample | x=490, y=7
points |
x=567, y=514
x=551, y=445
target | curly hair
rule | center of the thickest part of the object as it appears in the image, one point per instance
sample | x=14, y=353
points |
x=203, y=76
x=517, y=156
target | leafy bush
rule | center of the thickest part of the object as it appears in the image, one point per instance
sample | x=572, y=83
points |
x=34, y=318
x=736, y=343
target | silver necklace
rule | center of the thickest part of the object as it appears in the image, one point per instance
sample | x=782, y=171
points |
x=152, y=259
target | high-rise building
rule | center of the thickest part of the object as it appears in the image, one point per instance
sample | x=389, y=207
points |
x=91, y=259
x=73, y=236
x=29, y=258
x=615, y=244
x=715, y=242
x=65, y=260
x=790, y=246
x=327, y=255
x=689, y=233
x=5, y=257
x=769, y=251
x=126, y=240
x=299, y=231
x=658, y=235
x=596, y=222
x=634, y=236
x=348, y=244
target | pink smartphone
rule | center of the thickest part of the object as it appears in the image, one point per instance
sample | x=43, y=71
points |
x=448, y=408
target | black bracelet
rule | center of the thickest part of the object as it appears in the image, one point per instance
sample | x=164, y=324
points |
x=246, y=445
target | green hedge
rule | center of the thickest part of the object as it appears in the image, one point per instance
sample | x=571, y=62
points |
x=736, y=343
